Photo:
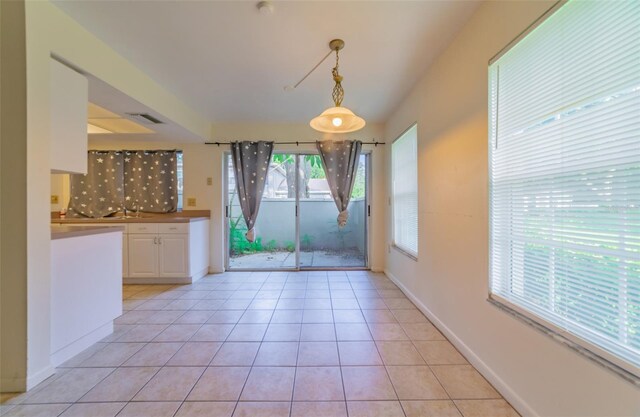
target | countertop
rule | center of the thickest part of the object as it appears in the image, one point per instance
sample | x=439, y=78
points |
x=116, y=220
x=63, y=232
x=184, y=216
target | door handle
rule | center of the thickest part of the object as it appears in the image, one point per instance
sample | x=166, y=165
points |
x=155, y=240
x=159, y=241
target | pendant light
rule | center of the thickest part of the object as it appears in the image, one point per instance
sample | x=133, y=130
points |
x=337, y=119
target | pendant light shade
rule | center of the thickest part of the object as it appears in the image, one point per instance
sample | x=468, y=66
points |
x=337, y=119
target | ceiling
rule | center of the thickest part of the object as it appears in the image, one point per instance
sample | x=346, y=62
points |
x=116, y=105
x=230, y=63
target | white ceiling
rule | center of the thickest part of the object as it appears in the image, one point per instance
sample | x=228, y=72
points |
x=115, y=101
x=230, y=63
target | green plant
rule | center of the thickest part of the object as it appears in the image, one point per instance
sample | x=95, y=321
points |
x=289, y=246
x=359, y=186
x=306, y=241
x=238, y=243
x=270, y=246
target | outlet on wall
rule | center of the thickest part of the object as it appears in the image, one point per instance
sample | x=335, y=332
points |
x=209, y=181
x=191, y=201
x=54, y=199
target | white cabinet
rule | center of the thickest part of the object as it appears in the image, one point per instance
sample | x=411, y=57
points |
x=158, y=255
x=174, y=255
x=163, y=253
x=69, y=100
x=167, y=252
x=143, y=255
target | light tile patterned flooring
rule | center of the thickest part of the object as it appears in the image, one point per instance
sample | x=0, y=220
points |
x=302, y=344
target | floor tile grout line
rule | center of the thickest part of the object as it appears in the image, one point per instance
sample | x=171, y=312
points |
x=246, y=284
x=386, y=371
x=244, y=385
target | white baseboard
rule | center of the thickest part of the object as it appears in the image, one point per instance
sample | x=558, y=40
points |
x=38, y=377
x=157, y=280
x=514, y=399
x=71, y=350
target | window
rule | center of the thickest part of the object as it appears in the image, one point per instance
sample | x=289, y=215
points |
x=565, y=179
x=404, y=167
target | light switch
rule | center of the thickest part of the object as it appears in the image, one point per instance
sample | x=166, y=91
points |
x=191, y=201
x=209, y=181
x=54, y=199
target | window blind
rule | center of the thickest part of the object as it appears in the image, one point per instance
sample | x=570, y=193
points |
x=565, y=177
x=404, y=165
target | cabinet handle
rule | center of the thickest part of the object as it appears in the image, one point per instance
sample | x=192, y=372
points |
x=155, y=240
x=159, y=241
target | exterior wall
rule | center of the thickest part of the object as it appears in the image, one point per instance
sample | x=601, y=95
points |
x=276, y=221
x=449, y=281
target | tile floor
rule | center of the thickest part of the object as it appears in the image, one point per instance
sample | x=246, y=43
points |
x=303, y=344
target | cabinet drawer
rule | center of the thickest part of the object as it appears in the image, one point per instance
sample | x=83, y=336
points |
x=173, y=227
x=143, y=228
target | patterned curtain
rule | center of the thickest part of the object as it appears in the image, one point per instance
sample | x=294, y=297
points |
x=99, y=193
x=250, y=166
x=340, y=161
x=151, y=181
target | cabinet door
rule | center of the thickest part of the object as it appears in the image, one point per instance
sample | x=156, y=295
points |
x=143, y=256
x=174, y=255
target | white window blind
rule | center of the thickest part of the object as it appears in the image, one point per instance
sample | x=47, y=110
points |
x=404, y=165
x=565, y=177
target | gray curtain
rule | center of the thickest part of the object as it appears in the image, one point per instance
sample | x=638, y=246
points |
x=151, y=181
x=250, y=166
x=340, y=163
x=100, y=192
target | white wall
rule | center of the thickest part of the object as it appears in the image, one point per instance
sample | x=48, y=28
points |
x=538, y=375
x=60, y=186
x=47, y=31
x=202, y=161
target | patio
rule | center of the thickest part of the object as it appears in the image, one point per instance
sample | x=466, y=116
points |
x=348, y=258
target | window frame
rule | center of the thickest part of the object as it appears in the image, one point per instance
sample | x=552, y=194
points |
x=180, y=179
x=589, y=349
x=395, y=245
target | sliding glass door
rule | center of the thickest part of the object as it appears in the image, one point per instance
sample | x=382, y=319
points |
x=275, y=243
x=322, y=243
x=297, y=222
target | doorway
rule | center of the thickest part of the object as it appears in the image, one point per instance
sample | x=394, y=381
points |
x=296, y=226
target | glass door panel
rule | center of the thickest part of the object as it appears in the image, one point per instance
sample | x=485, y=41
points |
x=275, y=243
x=322, y=243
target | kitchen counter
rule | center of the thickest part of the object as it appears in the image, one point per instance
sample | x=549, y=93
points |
x=63, y=232
x=107, y=220
x=86, y=287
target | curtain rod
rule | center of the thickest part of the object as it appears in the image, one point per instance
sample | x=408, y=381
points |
x=297, y=143
x=133, y=150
